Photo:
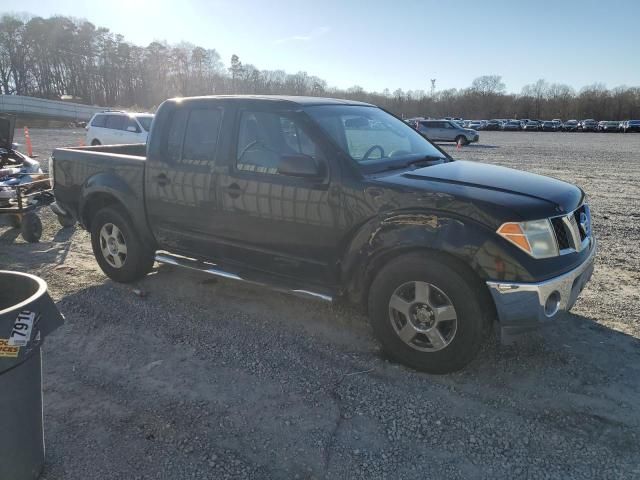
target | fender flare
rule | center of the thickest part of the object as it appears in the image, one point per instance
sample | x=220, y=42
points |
x=463, y=240
x=113, y=186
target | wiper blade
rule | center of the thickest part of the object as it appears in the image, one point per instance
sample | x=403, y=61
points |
x=428, y=159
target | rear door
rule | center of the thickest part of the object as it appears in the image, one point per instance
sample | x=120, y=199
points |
x=180, y=193
x=436, y=131
x=429, y=129
x=113, y=131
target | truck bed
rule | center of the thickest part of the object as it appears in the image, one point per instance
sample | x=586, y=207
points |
x=133, y=149
x=96, y=169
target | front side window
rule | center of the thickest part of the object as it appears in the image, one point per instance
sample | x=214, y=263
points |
x=265, y=137
x=372, y=136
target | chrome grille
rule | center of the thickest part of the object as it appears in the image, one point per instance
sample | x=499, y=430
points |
x=573, y=230
x=561, y=233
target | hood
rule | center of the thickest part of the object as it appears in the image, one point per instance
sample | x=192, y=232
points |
x=7, y=127
x=511, y=188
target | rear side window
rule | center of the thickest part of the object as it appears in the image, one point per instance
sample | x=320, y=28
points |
x=175, y=134
x=201, y=136
x=115, y=122
x=99, y=121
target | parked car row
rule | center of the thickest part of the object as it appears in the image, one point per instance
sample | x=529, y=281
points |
x=555, y=125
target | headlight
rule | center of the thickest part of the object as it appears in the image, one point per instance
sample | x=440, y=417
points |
x=535, y=237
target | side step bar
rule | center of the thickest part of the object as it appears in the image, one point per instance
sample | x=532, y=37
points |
x=214, y=269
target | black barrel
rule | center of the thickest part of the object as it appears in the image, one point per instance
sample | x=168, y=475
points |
x=27, y=316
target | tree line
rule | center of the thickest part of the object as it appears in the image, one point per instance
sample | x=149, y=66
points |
x=62, y=57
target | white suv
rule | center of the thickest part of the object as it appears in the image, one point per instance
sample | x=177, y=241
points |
x=110, y=128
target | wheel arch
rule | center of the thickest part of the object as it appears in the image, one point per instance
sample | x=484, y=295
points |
x=106, y=190
x=95, y=202
x=454, y=241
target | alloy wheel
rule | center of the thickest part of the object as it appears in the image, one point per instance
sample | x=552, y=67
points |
x=423, y=316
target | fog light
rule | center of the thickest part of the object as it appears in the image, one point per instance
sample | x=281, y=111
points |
x=552, y=304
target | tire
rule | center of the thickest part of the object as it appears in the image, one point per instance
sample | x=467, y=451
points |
x=31, y=227
x=95, y=142
x=461, y=139
x=458, y=340
x=125, y=258
x=66, y=222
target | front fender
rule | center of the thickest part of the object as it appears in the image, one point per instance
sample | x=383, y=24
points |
x=464, y=239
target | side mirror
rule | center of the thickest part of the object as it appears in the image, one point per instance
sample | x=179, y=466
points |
x=132, y=128
x=298, y=165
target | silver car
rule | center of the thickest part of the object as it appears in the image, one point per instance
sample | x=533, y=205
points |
x=446, y=131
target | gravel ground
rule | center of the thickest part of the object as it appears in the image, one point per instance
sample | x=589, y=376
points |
x=208, y=379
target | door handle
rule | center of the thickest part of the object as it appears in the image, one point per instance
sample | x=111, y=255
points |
x=233, y=190
x=162, y=179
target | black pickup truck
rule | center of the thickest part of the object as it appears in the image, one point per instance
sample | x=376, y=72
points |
x=336, y=199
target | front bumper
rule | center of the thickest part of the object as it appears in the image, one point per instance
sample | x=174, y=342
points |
x=522, y=307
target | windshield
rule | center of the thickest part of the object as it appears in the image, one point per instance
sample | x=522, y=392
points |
x=371, y=136
x=145, y=122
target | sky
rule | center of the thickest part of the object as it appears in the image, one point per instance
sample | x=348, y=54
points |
x=390, y=44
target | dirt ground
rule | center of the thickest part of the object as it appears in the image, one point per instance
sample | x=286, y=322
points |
x=207, y=379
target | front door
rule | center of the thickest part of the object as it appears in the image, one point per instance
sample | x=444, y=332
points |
x=179, y=191
x=449, y=132
x=271, y=221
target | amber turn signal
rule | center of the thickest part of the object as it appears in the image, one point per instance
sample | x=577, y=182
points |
x=513, y=232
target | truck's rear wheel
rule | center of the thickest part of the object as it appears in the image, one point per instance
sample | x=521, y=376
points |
x=31, y=227
x=426, y=314
x=121, y=254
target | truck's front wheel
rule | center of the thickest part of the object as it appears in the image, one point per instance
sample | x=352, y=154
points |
x=426, y=314
x=121, y=254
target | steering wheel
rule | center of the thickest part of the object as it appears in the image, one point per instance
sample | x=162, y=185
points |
x=370, y=151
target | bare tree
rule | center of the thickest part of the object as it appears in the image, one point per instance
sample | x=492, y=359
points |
x=51, y=57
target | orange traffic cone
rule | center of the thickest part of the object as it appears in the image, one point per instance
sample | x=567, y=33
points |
x=27, y=140
x=459, y=144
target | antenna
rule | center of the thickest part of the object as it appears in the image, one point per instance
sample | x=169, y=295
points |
x=433, y=86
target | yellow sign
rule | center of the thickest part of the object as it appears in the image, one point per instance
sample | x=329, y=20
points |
x=7, y=350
